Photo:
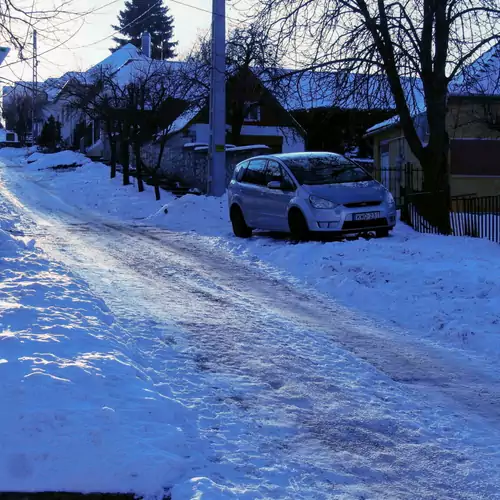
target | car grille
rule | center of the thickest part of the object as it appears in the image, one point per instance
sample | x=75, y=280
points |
x=360, y=204
x=363, y=224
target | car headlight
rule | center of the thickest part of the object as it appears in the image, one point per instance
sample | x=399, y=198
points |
x=321, y=202
x=390, y=199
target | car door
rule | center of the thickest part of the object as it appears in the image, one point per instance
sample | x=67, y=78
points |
x=252, y=191
x=275, y=201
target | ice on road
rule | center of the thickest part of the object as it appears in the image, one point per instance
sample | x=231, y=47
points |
x=287, y=393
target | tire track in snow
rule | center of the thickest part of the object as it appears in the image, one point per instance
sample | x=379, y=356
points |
x=283, y=396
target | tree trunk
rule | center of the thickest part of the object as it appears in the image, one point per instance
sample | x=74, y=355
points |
x=112, y=147
x=163, y=142
x=236, y=126
x=435, y=207
x=138, y=162
x=125, y=160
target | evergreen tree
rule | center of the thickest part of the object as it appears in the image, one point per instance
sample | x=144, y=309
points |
x=51, y=134
x=150, y=16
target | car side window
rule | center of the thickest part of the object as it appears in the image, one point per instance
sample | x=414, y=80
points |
x=255, y=172
x=287, y=183
x=273, y=172
x=239, y=171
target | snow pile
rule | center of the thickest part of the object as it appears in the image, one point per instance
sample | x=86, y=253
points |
x=90, y=187
x=80, y=411
x=9, y=246
x=13, y=156
x=40, y=161
x=205, y=215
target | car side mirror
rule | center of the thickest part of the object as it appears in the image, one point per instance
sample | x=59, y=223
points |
x=274, y=185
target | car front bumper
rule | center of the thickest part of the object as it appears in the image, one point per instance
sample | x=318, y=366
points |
x=351, y=220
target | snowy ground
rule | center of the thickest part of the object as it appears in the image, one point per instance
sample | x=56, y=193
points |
x=257, y=387
x=66, y=423
x=444, y=289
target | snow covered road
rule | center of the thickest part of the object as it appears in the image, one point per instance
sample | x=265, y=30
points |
x=294, y=395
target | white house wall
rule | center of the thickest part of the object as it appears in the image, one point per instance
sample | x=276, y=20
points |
x=293, y=142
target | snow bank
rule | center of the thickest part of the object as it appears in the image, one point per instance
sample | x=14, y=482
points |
x=79, y=410
x=11, y=156
x=91, y=188
x=444, y=288
x=40, y=161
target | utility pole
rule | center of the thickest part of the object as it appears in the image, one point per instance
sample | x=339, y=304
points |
x=35, y=85
x=217, y=149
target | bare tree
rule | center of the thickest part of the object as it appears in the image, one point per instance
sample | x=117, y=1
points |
x=253, y=64
x=416, y=46
x=17, y=112
x=52, y=20
x=136, y=106
x=159, y=92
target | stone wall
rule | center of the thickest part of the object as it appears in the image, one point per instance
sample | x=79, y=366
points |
x=190, y=167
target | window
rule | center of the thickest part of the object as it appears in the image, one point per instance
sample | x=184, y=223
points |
x=275, y=172
x=252, y=112
x=239, y=171
x=326, y=169
x=255, y=173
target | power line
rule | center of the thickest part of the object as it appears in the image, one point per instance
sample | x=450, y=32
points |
x=121, y=29
x=86, y=13
x=70, y=37
x=237, y=21
x=48, y=50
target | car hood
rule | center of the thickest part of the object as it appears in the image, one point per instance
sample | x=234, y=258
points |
x=349, y=192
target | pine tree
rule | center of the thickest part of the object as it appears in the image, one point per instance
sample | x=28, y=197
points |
x=51, y=134
x=150, y=16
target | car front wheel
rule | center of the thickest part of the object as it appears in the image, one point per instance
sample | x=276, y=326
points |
x=240, y=228
x=298, y=225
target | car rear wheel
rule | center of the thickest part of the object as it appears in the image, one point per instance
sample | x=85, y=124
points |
x=240, y=228
x=298, y=225
x=382, y=233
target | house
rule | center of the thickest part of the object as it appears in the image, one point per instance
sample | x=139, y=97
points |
x=473, y=124
x=76, y=126
x=256, y=123
x=264, y=120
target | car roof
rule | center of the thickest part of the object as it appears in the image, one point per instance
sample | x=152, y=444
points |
x=306, y=154
x=294, y=156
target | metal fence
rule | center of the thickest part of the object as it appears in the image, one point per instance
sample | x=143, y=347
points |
x=401, y=181
x=474, y=216
x=478, y=217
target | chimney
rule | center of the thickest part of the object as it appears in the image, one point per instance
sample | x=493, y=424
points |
x=146, y=44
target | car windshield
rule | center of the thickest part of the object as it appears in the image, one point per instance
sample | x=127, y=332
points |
x=326, y=170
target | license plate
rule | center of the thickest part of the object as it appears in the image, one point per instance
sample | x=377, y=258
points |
x=367, y=216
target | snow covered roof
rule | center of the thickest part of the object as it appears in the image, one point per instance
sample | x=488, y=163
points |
x=120, y=57
x=482, y=77
x=142, y=66
x=324, y=89
x=183, y=120
x=383, y=125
